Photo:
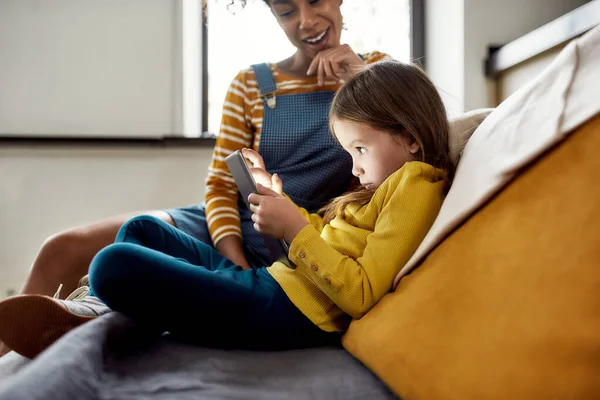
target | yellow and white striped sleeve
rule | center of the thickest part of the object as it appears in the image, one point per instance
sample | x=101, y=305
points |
x=236, y=132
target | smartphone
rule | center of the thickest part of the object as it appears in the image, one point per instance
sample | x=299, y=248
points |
x=245, y=182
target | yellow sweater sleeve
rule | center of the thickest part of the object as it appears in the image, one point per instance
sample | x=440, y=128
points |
x=408, y=205
x=236, y=132
x=315, y=220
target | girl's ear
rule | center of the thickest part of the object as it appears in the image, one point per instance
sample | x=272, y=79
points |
x=412, y=144
x=414, y=147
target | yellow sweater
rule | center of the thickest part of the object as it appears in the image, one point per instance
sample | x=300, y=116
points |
x=345, y=267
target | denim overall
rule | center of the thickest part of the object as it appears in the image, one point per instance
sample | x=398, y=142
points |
x=296, y=143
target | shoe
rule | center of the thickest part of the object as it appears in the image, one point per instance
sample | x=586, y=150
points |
x=84, y=281
x=31, y=323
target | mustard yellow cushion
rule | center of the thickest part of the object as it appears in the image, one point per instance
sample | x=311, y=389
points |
x=508, y=306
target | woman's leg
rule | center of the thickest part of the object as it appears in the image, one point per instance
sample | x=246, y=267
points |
x=65, y=257
x=171, y=281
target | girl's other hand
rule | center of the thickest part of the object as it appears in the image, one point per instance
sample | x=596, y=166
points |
x=339, y=63
x=275, y=215
x=257, y=169
x=253, y=159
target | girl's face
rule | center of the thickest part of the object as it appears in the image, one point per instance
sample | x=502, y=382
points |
x=311, y=25
x=376, y=154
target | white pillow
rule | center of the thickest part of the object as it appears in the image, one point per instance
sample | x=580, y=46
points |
x=461, y=129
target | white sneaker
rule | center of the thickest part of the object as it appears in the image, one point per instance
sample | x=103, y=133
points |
x=31, y=323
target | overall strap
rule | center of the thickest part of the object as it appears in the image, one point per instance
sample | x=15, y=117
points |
x=266, y=83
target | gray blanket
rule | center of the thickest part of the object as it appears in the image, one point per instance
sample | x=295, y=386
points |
x=113, y=358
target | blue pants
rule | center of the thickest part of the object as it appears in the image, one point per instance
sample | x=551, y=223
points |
x=170, y=281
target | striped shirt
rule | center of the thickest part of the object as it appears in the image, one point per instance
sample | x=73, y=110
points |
x=241, y=125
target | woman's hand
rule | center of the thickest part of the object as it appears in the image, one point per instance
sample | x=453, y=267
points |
x=259, y=172
x=275, y=215
x=338, y=63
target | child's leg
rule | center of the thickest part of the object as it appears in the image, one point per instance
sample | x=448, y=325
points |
x=153, y=233
x=225, y=307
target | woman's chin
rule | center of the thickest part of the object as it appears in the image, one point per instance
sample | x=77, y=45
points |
x=327, y=42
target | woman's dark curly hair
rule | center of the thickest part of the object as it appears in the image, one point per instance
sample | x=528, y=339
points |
x=243, y=2
x=228, y=4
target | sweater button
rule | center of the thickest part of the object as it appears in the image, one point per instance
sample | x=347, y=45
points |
x=314, y=267
x=302, y=254
x=327, y=281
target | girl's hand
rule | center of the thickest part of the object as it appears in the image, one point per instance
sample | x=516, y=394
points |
x=338, y=63
x=259, y=172
x=275, y=215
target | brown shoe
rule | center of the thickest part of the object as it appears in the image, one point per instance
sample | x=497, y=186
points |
x=31, y=323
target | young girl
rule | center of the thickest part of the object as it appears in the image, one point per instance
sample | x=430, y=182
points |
x=391, y=121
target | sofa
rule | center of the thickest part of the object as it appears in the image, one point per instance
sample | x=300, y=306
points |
x=500, y=301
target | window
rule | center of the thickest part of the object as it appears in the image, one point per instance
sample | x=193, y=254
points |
x=238, y=38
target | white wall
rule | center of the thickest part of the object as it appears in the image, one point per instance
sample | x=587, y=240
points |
x=88, y=67
x=463, y=30
x=444, y=47
x=489, y=22
x=47, y=189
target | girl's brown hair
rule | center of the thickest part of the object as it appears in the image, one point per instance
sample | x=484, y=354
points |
x=397, y=98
